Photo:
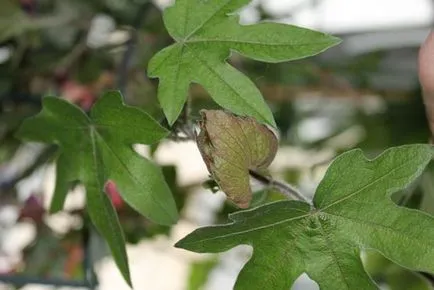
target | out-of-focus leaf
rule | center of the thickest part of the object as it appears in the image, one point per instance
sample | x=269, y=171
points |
x=53, y=257
x=396, y=277
x=199, y=272
x=231, y=146
x=12, y=20
x=7, y=149
x=351, y=211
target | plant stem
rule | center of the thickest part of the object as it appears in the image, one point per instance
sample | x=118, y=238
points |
x=80, y=48
x=186, y=125
x=286, y=189
x=131, y=45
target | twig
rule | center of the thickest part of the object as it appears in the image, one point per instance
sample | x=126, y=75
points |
x=186, y=125
x=284, y=188
x=22, y=45
x=131, y=45
x=183, y=129
x=71, y=58
x=89, y=272
x=174, y=136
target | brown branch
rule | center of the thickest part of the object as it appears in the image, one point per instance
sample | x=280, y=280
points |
x=284, y=188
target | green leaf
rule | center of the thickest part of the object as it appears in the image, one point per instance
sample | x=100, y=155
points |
x=231, y=146
x=103, y=215
x=396, y=277
x=205, y=33
x=199, y=273
x=351, y=211
x=98, y=148
x=13, y=20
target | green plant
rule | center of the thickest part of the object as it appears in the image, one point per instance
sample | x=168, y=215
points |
x=351, y=211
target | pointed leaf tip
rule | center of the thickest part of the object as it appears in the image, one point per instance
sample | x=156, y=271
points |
x=205, y=33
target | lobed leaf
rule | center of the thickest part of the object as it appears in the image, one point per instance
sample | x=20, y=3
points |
x=352, y=211
x=98, y=148
x=205, y=33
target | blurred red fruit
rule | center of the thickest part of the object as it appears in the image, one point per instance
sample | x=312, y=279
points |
x=113, y=193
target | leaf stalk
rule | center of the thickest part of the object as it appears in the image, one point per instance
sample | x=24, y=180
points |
x=286, y=189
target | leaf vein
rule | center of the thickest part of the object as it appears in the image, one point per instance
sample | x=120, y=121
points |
x=332, y=253
x=210, y=68
x=257, y=228
x=364, y=187
x=200, y=26
x=135, y=179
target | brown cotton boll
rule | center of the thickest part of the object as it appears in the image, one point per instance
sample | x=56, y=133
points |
x=231, y=146
x=426, y=77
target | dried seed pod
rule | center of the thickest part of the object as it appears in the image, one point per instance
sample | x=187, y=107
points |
x=231, y=146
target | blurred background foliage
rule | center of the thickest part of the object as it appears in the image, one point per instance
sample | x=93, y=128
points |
x=364, y=93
